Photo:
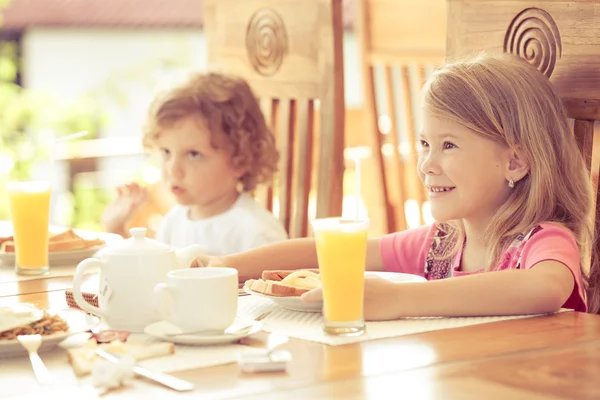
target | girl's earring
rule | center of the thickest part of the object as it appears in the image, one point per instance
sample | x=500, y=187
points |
x=240, y=187
x=511, y=183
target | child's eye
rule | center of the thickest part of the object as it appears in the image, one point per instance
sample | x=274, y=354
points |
x=423, y=144
x=165, y=152
x=449, y=145
x=193, y=154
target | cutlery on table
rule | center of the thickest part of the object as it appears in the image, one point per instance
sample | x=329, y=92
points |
x=227, y=332
x=275, y=340
x=32, y=343
x=159, y=377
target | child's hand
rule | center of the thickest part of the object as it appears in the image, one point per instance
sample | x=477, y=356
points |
x=207, y=261
x=129, y=199
x=378, y=295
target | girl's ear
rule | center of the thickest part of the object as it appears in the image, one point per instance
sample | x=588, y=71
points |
x=518, y=166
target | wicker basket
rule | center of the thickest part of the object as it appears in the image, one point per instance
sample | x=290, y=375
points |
x=91, y=298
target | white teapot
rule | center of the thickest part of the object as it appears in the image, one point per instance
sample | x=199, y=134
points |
x=129, y=271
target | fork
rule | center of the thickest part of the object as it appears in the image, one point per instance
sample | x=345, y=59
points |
x=32, y=343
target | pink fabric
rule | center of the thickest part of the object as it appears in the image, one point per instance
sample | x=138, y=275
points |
x=408, y=252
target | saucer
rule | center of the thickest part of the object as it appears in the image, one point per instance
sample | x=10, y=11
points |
x=163, y=329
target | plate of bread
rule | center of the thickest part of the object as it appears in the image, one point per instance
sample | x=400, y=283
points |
x=53, y=325
x=65, y=246
x=286, y=287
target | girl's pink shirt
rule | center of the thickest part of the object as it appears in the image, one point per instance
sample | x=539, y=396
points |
x=407, y=252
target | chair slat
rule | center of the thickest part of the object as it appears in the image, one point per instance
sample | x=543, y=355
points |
x=397, y=162
x=377, y=143
x=584, y=134
x=303, y=168
x=411, y=138
x=285, y=135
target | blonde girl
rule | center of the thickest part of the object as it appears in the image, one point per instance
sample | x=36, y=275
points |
x=510, y=194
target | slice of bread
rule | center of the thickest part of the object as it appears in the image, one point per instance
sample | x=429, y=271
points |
x=6, y=239
x=69, y=234
x=285, y=283
x=278, y=275
x=82, y=358
x=64, y=241
x=274, y=288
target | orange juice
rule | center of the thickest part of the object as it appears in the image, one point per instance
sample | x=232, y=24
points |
x=30, y=211
x=341, y=251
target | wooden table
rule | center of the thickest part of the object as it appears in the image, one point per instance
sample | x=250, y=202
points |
x=549, y=357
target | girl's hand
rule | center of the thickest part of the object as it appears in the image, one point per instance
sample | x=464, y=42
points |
x=379, y=294
x=129, y=199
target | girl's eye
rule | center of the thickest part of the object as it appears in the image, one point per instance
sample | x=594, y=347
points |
x=165, y=152
x=449, y=145
x=424, y=144
x=194, y=154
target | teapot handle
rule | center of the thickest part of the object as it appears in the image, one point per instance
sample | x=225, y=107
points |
x=77, y=280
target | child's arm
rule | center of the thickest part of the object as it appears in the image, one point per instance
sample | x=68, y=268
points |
x=541, y=289
x=289, y=254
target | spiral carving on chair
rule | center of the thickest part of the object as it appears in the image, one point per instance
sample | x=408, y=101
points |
x=534, y=36
x=266, y=41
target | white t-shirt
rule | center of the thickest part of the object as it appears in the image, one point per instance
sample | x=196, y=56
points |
x=246, y=225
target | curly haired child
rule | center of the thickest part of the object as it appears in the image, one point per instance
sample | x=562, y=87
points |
x=215, y=147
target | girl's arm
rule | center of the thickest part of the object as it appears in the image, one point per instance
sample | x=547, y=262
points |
x=541, y=289
x=289, y=254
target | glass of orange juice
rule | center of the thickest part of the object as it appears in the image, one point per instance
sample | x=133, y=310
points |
x=30, y=212
x=342, y=251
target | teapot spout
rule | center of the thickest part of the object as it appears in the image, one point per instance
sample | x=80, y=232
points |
x=186, y=255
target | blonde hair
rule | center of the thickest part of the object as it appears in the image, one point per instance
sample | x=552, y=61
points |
x=233, y=117
x=506, y=100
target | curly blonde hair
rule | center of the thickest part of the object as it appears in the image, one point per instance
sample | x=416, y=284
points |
x=233, y=117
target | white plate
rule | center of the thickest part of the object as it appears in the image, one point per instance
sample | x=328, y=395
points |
x=77, y=320
x=294, y=303
x=160, y=329
x=58, y=258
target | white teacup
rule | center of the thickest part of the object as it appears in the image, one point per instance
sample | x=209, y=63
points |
x=198, y=299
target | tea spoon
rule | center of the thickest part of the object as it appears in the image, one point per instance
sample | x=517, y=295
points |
x=228, y=332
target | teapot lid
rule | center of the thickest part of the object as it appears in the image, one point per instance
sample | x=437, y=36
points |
x=138, y=243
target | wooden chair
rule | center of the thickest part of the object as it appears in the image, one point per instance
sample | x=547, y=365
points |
x=561, y=38
x=290, y=52
x=402, y=42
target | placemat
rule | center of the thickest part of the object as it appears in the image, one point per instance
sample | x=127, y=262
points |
x=309, y=326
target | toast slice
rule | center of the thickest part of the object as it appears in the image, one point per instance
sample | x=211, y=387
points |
x=285, y=283
x=82, y=358
x=278, y=275
x=64, y=241
x=6, y=239
x=274, y=288
x=69, y=234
